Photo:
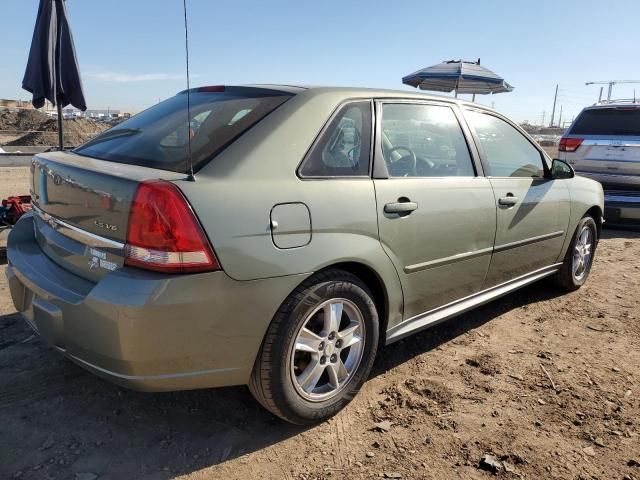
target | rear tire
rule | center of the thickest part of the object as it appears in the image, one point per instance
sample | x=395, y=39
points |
x=579, y=257
x=318, y=350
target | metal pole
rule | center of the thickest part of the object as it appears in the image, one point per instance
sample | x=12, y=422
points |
x=609, y=93
x=600, y=97
x=60, y=133
x=553, y=113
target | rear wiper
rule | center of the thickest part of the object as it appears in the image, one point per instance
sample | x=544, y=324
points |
x=113, y=133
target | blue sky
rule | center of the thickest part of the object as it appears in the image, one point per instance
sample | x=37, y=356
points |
x=131, y=52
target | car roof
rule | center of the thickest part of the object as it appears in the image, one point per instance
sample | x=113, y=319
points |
x=364, y=92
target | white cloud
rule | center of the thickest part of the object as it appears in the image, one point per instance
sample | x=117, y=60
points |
x=117, y=77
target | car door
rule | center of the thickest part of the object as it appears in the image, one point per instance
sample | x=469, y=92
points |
x=533, y=210
x=436, y=212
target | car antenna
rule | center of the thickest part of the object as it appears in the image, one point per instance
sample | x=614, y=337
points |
x=191, y=177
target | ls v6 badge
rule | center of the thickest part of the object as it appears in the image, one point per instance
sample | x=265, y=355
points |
x=105, y=225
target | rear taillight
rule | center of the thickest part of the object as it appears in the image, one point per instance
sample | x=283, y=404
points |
x=569, y=144
x=164, y=233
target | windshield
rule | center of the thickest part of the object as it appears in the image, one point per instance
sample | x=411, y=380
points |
x=608, y=121
x=159, y=136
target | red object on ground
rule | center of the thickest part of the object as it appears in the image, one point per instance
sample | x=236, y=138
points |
x=14, y=207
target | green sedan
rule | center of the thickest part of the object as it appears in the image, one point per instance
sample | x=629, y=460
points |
x=278, y=236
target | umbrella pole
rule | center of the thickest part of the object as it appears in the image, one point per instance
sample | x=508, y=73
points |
x=60, y=133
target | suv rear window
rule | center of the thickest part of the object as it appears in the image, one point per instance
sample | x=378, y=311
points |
x=608, y=121
x=159, y=136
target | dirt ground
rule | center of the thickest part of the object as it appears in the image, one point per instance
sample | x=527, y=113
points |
x=546, y=384
x=34, y=128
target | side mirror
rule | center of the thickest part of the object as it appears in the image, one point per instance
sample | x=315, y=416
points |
x=561, y=169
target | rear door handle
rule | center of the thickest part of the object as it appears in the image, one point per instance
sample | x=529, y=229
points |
x=400, y=207
x=510, y=200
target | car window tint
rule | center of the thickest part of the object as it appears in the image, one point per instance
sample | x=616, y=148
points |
x=159, y=136
x=508, y=152
x=344, y=147
x=424, y=141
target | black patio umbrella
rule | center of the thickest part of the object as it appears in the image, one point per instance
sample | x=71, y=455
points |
x=459, y=76
x=52, y=71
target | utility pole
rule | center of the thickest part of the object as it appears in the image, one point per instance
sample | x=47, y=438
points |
x=553, y=113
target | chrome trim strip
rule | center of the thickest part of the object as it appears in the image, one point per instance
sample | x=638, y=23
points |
x=610, y=143
x=75, y=233
x=527, y=241
x=621, y=198
x=606, y=174
x=440, y=314
x=608, y=160
x=460, y=257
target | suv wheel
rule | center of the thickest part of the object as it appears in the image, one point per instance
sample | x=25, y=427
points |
x=579, y=258
x=318, y=350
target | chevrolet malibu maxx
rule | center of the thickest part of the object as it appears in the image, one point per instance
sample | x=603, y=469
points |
x=278, y=236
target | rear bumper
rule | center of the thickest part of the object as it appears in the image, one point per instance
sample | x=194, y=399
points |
x=145, y=330
x=614, y=180
x=622, y=208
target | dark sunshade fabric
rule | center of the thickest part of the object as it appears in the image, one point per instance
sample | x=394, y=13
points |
x=464, y=77
x=52, y=57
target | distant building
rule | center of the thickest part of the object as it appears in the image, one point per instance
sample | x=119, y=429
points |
x=10, y=104
x=102, y=113
x=50, y=110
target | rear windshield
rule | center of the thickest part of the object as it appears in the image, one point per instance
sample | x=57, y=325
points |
x=608, y=121
x=159, y=136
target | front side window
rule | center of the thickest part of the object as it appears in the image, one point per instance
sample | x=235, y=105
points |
x=424, y=141
x=343, y=150
x=508, y=152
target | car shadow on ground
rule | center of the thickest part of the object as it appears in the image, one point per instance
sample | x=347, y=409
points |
x=431, y=338
x=620, y=232
x=71, y=421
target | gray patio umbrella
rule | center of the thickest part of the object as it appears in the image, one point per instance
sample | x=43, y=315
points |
x=459, y=76
x=52, y=71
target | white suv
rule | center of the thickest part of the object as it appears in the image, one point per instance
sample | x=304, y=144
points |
x=603, y=143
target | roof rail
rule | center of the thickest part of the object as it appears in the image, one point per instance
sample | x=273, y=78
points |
x=626, y=101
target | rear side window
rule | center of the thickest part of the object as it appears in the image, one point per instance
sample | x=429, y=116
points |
x=608, y=121
x=344, y=148
x=159, y=136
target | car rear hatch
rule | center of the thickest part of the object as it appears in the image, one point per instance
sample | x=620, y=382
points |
x=102, y=203
x=605, y=142
x=81, y=210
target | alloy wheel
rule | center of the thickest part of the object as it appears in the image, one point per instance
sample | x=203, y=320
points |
x=328, y=349
x=582, y=253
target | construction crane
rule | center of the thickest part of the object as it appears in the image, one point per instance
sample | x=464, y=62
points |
x=611, y=83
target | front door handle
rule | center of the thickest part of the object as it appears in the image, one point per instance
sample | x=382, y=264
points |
x=400, y=207
x=510, y=200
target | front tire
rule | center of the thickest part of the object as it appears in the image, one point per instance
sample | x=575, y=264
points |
x=318, y=350
x=579, y=257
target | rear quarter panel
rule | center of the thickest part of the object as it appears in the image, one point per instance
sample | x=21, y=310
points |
x=234, y=195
